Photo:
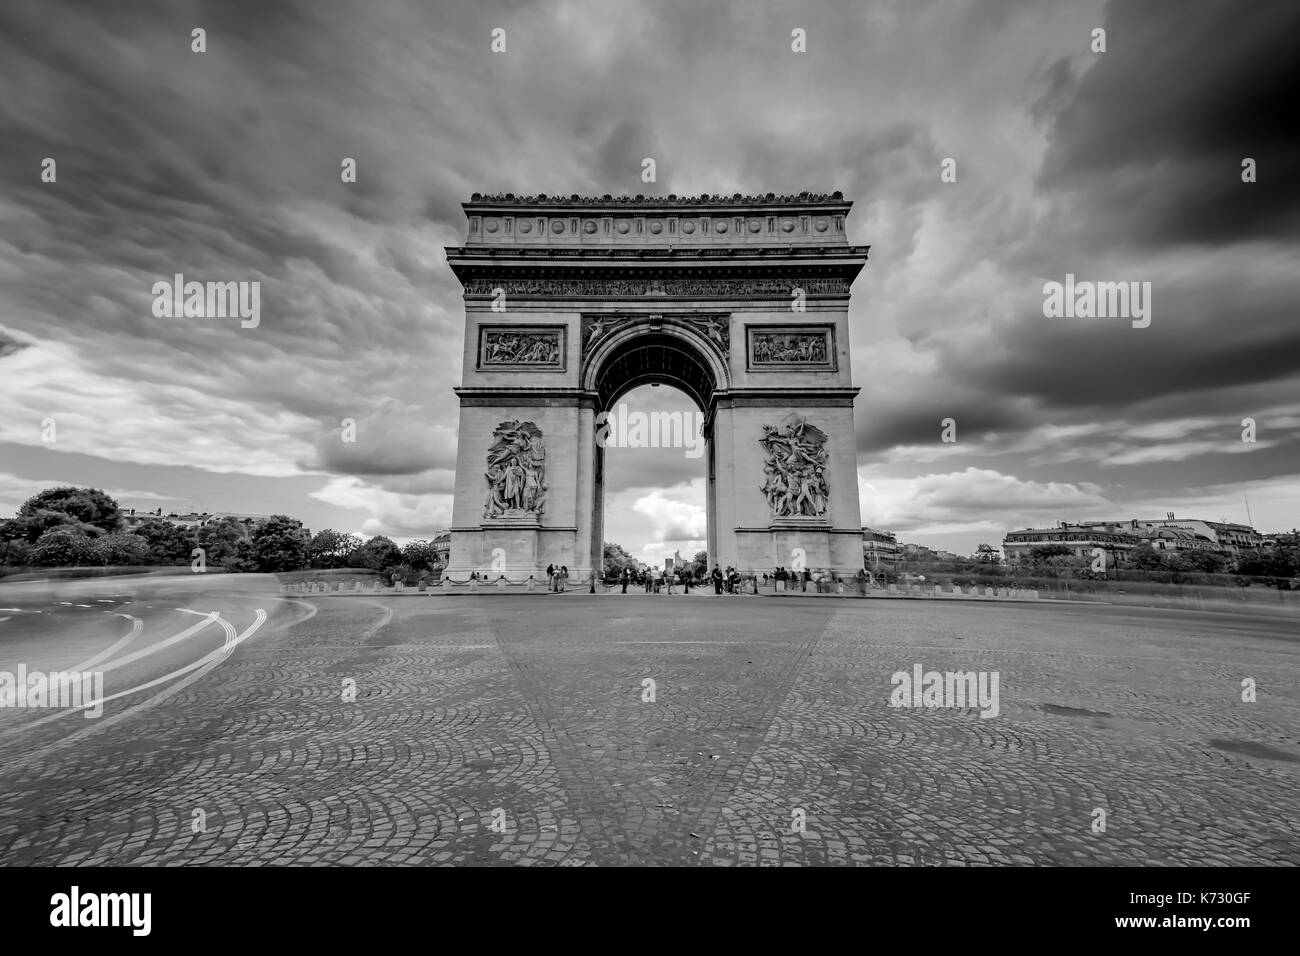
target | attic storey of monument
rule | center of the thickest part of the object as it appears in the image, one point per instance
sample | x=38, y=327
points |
x=570, y=303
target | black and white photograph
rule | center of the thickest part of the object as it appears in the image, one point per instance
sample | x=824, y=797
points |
x=688, y=434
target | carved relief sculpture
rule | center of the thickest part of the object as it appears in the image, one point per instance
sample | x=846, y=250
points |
x=795, y=472
x=521, y=348
x=516, y=474
x=790, y=348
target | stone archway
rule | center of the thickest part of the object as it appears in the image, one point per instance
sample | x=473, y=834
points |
x=741, y=303
x=674, y=349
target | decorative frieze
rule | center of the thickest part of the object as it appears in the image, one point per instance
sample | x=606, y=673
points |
x=692, y=288
x=671, y=200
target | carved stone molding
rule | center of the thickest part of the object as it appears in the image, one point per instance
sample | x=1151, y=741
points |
x=670, y=200
x=699, y=288
x=712, y=328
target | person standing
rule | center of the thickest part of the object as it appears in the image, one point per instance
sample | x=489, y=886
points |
x=564, y=577
x=627, y=576
x=717, y=580
x=807, y=576
x=668, y=580
x=686, y=581
x=550, y=577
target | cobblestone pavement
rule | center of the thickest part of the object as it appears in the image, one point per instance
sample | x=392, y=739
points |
x=518, y=731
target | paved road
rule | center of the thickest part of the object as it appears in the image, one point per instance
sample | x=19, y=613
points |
x=492, y=731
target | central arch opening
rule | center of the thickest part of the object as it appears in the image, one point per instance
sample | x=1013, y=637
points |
x=654, y=468
x=655, y=357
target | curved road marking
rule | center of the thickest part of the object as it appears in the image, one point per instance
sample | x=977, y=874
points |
x=374, y=629
x=137, y=626
x=208, y=618
x=311, y=612
x=200, y=668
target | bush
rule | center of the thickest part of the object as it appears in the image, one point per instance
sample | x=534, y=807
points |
x=61, y=548
x=120, y=549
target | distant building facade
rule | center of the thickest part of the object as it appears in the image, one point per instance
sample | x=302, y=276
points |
x=880, y=549
x=189, y=522
x=441, y=549
x=1118, y=539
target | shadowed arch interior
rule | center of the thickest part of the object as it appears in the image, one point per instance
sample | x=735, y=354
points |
x=655, y=357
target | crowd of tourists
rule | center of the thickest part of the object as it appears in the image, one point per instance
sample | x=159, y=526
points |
x=724, y=581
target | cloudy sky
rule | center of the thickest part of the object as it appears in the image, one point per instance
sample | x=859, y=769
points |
x=1117, y=166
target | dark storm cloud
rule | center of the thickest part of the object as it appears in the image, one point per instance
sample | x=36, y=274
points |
x=918, y=421
x=1142, y=183
x=1206, y=336
x=1161, y=122
x=9, y=345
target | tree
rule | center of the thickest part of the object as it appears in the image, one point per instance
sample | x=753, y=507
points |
x=1207, y=562
x=1280, y=562
x=167, y=543
x=379, y=554
x=617, y=558
x=220, y=541
x=244, y=559
x=700, y=564
x=88, y=506
x=419, y=554
x=278, y=544
x=1043, y=554
x=63, y=548
x=1145, y=558
x=330, y=548
x=31, y=526
x=120, y=549
x=987, y=554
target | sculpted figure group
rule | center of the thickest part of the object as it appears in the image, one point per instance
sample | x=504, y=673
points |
x=795, y=482
x=516, y=472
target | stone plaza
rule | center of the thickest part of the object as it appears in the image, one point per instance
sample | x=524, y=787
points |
x=685, y=730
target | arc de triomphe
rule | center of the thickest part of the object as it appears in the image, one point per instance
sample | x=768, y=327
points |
x=740, y=302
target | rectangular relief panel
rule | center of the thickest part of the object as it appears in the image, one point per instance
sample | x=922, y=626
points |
x=785, y=347
x=529, y=348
